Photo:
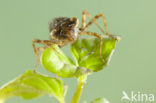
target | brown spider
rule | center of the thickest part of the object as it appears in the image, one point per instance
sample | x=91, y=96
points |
x=64, y=30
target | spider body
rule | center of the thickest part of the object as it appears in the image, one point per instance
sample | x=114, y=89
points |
x=64, y=30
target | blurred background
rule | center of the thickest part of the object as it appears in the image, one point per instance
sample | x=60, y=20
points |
x=132, y=67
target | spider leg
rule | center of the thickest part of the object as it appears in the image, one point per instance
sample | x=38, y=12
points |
x=37, y=54
x=98, y=36
x=83, y=22
x=93, y=20
x=47, y=44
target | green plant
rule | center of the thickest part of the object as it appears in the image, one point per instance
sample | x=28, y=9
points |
x=87, y=61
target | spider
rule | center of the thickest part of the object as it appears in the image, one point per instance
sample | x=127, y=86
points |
x=64, y=30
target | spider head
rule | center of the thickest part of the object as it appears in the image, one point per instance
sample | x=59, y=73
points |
x=73, y=22
x=74, y=27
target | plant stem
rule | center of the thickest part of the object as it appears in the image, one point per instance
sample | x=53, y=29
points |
x=81, y=81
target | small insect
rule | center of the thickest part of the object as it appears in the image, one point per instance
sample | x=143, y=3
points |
x=64, y=30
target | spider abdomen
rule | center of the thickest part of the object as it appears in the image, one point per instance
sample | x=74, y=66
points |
x=63, y=29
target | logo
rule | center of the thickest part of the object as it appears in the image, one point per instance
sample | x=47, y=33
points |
x=137, y=97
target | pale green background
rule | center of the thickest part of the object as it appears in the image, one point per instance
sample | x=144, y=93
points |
x=132, y=66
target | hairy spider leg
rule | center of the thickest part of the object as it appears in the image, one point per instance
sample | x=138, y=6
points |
x=47, y=44
x=37, y=54
x=84, y=26
x=98, y=36
x=93, y=20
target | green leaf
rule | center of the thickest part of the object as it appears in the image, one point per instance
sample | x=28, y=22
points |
x=100, y=100
x=55, y=61
x=86, y=52
x=31, y=85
